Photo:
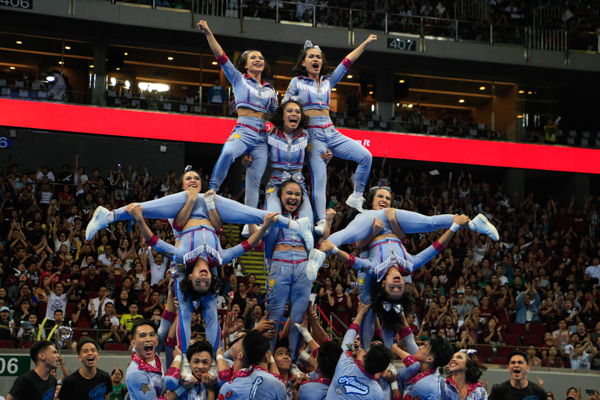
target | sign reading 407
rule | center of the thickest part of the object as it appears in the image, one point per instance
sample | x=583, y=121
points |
x=28, y=4
x=402, y=44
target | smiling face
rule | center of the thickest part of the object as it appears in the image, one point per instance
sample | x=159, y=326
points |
x=381, y=200
x=255, y=62
x=458, y=362
x=201, y=276
x=291, y=116
x=283, y=358
x=88, y=355
x=200, y=363
x=116, y=377
x=191, y=179
x=313, y=61
x=291, y=196
x=393, y=283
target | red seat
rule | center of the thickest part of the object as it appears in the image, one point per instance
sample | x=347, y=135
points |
x=534, y=340
x=42, y=311
x=567, y=364
x=93, y=295
x=115, y=347
x=538, y=330
x=26, y=344
x=499, y=361
x=511, y=340
x=504, y=351
x=485, y=352
x=6, y=344
x=517, y=329
x=70, y=310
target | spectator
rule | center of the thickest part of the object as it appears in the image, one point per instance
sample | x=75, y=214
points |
x=37, y=383
x=128, y=319
x=119, y=390
x=518, y=387
x=552, y=359
x=217, y=97
x=57, y=299
x=580, y=359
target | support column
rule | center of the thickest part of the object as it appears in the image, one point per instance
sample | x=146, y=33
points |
x=99, y=73
x=385, y=94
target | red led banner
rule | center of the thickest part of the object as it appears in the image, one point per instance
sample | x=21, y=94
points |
x=191, y=128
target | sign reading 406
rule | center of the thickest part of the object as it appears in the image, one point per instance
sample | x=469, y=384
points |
x=28, y=4
x=402, y=44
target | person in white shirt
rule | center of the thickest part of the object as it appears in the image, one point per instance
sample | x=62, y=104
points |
x=59, y=87
x=158, y=267
x=109, y=309
x=594, y=269
x=580, y=359
x=57, y=299
x=45, y=172
x=107, y=258
x=98, y=305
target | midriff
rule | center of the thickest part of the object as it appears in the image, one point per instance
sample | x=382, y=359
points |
x=316, y=113
x=248, y=112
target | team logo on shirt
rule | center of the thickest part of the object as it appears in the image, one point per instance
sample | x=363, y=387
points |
x=144, y=388
x=255, y=386
x=309, y=147
x=228, y=394
x=351, y=385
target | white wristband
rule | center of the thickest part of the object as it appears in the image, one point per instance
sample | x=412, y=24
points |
x=272, y=360
x=335, y=250
x=180, y=390
x=304, y=356
x=454, y=227
x=177, y=358
x=210, y=205
x=394, y=385
x=220, y=357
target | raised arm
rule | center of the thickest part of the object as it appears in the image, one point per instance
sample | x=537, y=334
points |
x=353, y=56
x=215, y=47
x=184, y=215
x=215, y=218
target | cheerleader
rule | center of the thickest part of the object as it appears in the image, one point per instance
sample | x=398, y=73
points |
x=196, y=268
x=463, y=382
x=254, y=98
x=314, y=89
x=390, y=225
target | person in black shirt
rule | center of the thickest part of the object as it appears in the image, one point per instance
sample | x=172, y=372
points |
x=518, y=387
x=37, y=384
x=88, y=382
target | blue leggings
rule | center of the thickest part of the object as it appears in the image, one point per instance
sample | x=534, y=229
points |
x=288, y=281
x=342, y=147
x=250, y=137
x=273, y=204
x=410, y=222
x=230, y=211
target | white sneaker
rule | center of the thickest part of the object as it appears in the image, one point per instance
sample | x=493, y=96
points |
x=97, y=223
x=356, y=202
x=481, y=224
x=306, y=233
x=246, y=231
x=315, y=260
x=320, y=228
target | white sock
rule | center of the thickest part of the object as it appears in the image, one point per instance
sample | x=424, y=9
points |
x=304, y=332
x=294, y=226
x=357, y=195
x=110, y=218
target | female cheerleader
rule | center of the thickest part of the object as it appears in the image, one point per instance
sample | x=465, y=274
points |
x=287, y=256
x=387, y=264
x=314, y=89
x=188, y=207
x=196, y=266
x=463, y=382
x=254, y=99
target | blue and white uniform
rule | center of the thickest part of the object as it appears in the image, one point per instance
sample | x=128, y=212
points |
x=351, y=381
x=145, y=381
x=250, y=384
x=449, y=391
x=287, y=157
x=249, y=134
x=314, y=390
x=323, y=135
x=199, y=241
x=418, y=386
x=384, y=254
x=198, y=392
x=287, y=281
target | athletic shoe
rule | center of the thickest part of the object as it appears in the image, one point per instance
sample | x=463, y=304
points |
x=246, y=231
x=315, y=260
x=356, y=202
x=481, y=224
x=306, y=233
x=320, y=228
x=97, y=223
